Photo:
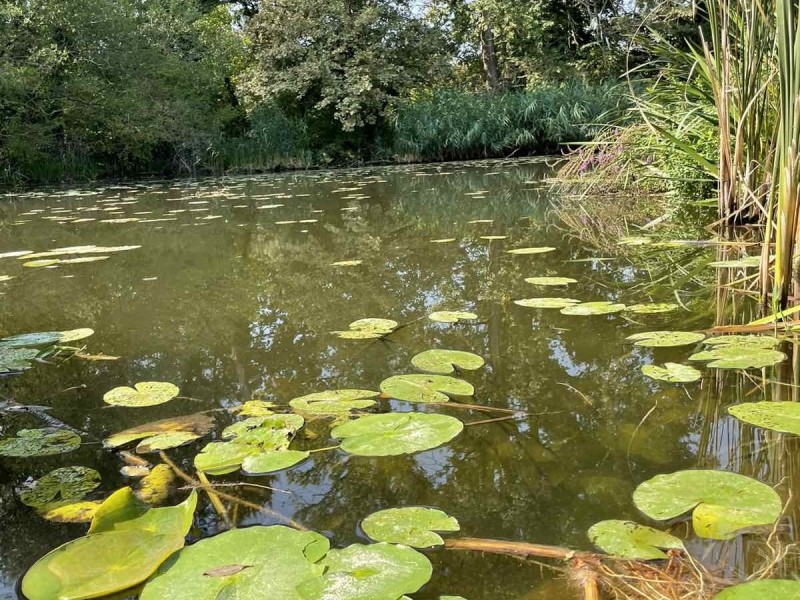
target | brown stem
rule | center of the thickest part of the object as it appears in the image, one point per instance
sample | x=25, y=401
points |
x=214, y=498
x=513, y=548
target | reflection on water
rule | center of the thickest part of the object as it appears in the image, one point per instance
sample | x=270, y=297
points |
x=232, y=297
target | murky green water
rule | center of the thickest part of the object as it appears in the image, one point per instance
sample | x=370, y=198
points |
x=230, y=305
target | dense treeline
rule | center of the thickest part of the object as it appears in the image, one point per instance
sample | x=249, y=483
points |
x=131, y=87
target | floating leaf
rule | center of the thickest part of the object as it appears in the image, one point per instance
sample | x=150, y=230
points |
x=374, y=572
x=278, y=559
x=67, y=484
x=739, y=357
x=147, y=393
x=334, y=402
x=44, y=262
x=155, y=486
x=632, y=541
x=16, y=253
x=396, y=433
x=451, y=316
x=747, y=341
x=347, y=263
x=592, y=308
x=550, y=280
x=269, y=462
x=73, y=335
x=540, y=250
x=255, y=408
x=364, y=329
x=75, y=512
x=32, y=340
x=766, y=589
x=652, y=308
x=546, y=302
x=4, y=278
x=425, y=388
x=163, y=434
x=776, y=416
x=722, y=503
x=412, y=525
x=16, y=359
x=39, y=442
x=665, y=339
x=445, y=361
x=672, y=373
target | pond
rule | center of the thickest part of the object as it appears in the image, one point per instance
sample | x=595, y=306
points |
x=230, y=291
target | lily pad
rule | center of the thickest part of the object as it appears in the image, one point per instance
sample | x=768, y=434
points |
x=592, y=308
x=550, y=280
x=67, y=484
x=269, y=462
x=546, y=302
x=39, y=442
x=425, y=388
x=113, y=558
x=74, y=512
x=445, y=361
x=253, y=562
x=155, y=486
x=374, y=572
x=746, y=341
x=255, y=408
x=772, y=589
x=334, y=402
x=16, y=359
x=632, y=541
x=739, y=357
x=672, y=373
x=540, y=250
x=451, y=316
x=412, y=525
x=652, y=308
x=665, y=339
x=163, y=434
x=74, y=335
x=32, y=340
x=775, y=416
x=722, y=503
x=396, y=433
x=146, y=393
x=365, y=329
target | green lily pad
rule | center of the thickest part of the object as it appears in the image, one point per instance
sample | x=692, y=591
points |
x=629, y=540
x=739, y=357
x=67, y=484
x=396, y=433
x=540, y=250
x=775, y=416
x=255, y=408
x=746, y=341
x=39, y=442
x=592, y=308
x=374, y=572
x=550, y=280
x=666, y=339
x=254, y=562
x=451, y=316
x=412, y=525
x=121, y=554
x=146, y=393
x=163, y=434
x=721, y=503
x=269, y=462
x=334, y=402
x=16, y=359
x=652, y=308
x=445, y=361
x=672, y=373
x=366, y=329
x=546, y=302
x=767, y=589
x=425, y=388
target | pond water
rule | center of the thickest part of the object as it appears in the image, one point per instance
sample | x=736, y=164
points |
x=232, y=296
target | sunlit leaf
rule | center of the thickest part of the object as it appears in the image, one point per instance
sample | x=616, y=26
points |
x=767, y=589
x=425, y=388
x=16, y=359
x=629, y=540
x=163, y=434
x=672, y=373
x=540, y=250
x=155, y=486
x=652, y=308
x=776, y=416
x=269, y=462
x=412, y=525
x=550, y=280
x=334, y=402
x=739, y=357
x=665, y=339
x=255, y=408
x=146, y=393
x=546, y=302
x=592, y=308
x=370, y=328
x=445, y=361
x=32, y=340
x=451, y=316
x=722, y=503
x=347, y=263
x=67, y=484
x=39, y=442
x=396, y=433
x=374, y=572
x=748, y=341
x=748, y=262
x=443, y=241
x=74, y=512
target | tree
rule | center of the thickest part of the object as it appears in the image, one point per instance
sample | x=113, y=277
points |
x=342, y=60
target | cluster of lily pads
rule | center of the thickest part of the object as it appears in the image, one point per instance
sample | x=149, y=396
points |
x=18, y=352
